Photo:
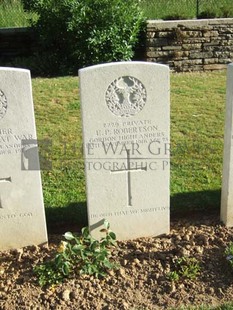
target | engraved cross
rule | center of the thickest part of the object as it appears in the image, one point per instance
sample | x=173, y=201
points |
x=129, y=170
x=4, y=180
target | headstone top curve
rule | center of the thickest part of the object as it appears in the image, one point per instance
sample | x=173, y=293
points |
x=7, y=69
x=124, y=63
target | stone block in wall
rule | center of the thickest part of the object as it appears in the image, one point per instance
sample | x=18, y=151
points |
x=164, y=34
x=156, y=42
x=221, y=54
x=191, y=62
x=187, y=62
x=150, y=34
x=226, y=48
x=208, y=61
x=212, y=43
x=210, y=34
x=160, y=54
x=214, y=67
x=225, y=60
x=194, y=54
x=187, y=68
x=226, y=30
x=196, y=40
x=153, y=49
x=194, y=68
x=171, y=48
x=221, y=21
x=227, y=42
x=196, y=46
x=228, y=36
x=192, y=33
x=181, y=54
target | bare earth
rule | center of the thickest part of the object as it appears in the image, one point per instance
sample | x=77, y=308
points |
x=140, y=283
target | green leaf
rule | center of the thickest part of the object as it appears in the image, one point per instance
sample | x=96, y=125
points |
x=77, y=247
x=108, y=264
x=66, y=268
x=58, y=259
x=85, y=232
x=69, y=236
x=106, y=224
x=101, y=257
x=112, y=235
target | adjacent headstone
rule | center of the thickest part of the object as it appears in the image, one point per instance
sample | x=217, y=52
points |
x=227, y=177
x=126, y=122
x=22, y=218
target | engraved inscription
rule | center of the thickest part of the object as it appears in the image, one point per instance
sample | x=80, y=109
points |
x=126, y=96
x=11, y=142
x=129, y=212
x=3, y=104
x=128, y=169
x=3, y=180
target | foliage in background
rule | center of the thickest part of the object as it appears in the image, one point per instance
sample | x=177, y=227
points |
x=12, y=14
x=186, y=9
x=75, y=33
x=79, y=255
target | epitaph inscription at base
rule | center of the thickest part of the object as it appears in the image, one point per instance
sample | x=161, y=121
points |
x=126, y=122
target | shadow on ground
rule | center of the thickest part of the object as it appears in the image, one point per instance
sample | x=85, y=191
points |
x=189, y=205
x=66, y=218
x=191, y=202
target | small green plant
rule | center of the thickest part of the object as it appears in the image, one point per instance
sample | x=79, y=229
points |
x=173, y=276
x=79, y=255
x=186, y=268
x=229, y=254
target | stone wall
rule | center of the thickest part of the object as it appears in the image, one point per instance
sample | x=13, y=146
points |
x=187, y=45
x=190, y=45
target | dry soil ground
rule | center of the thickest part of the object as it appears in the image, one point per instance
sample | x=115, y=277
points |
x=141, y=282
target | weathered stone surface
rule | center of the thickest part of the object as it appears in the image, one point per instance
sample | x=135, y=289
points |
x=204, y=39
x=22, y=219
x=125, y=112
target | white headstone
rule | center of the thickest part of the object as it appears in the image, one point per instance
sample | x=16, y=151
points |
x=126, y=121
x=227, y=177
x=22, y=219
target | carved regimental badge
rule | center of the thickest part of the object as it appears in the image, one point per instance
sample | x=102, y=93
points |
x=3, y=104
x=125, y=96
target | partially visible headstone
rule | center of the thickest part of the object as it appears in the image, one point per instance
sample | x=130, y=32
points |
x=227, y=177
x=22, y=218
x=126, y=123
